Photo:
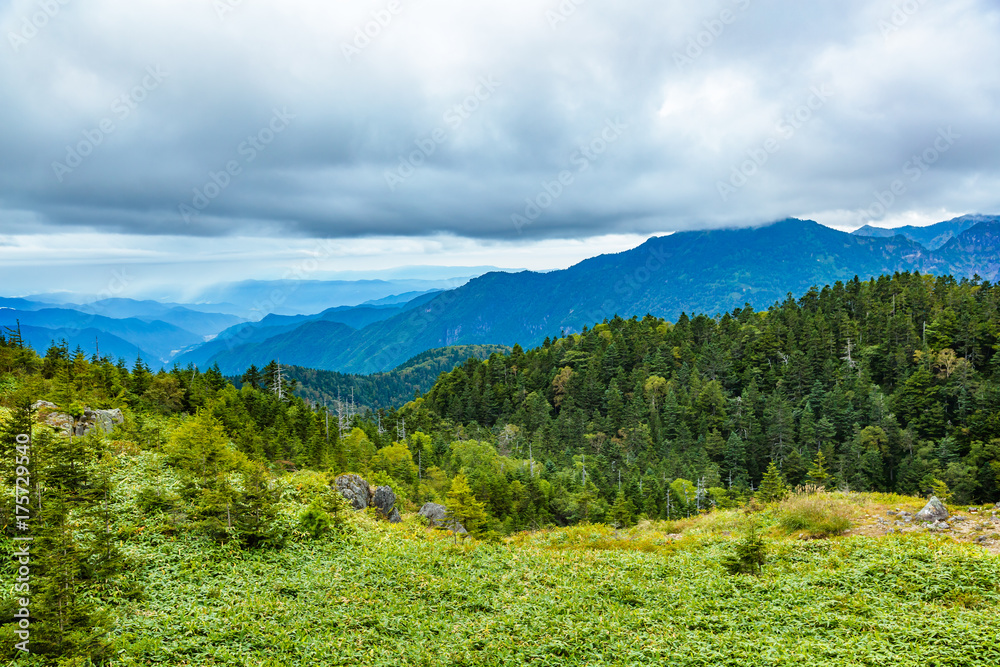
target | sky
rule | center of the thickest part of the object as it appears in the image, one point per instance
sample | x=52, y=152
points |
x=187, y=142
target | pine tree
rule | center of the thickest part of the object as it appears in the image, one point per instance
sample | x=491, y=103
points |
x=772, y=486
x=255, y=511
x=463, y=508
x=818, y=474
x=734, y=467
x=622, y=512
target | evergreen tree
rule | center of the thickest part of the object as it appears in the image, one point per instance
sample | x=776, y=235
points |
x=772, y=486
x=818, y=474
x=622, y=513
x=463, y=508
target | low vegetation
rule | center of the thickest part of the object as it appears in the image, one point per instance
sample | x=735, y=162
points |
x=815, y=514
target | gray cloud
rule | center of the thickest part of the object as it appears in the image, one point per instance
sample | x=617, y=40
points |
x=694, y=114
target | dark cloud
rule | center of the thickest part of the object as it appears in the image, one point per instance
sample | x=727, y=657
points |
x=486, y=105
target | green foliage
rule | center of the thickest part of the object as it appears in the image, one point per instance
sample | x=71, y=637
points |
x=749, y=553
x=622, y=513
x=315, y=521
x=772, y=487
x=817, y=475
x=201, y=446
x=463, y=506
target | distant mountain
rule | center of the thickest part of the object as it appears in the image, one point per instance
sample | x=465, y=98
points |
x=160, y=340
x=707, y=271
x=397, y=299
x=389, y=389
x=931, y=237
x=226, y=348
x=976, y=251
x=90, y=340
x=295, y=297
x=198, y=322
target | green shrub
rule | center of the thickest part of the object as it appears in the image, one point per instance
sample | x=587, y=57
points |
x=151, y=499
x=315, y=521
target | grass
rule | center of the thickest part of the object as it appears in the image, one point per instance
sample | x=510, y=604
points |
x=386, y=596
x=817, y=514
x=656, y=594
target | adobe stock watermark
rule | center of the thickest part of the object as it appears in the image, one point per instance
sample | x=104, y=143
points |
x=582, y=159
x=364, y=34
x=33, y=24
x=121, y=108
x=562, y=13
x=698, y=43
x=901, y=14
x=224, y=8
x=454, y=117
x=784, y=130
x=913, y=169
x=22, y=555
x=246, y=153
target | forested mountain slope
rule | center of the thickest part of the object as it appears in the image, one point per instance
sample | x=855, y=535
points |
x=896, y=382
x=694, y=272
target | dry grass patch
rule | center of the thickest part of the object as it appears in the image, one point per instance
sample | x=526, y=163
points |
x=818, y=514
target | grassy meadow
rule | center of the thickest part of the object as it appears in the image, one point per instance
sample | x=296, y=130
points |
x=656, y=594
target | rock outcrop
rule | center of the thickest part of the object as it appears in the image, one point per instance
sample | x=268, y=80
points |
x=100, y=420
x=934, y=510
x=355, y=489
x=437, y=517
x=384, y=500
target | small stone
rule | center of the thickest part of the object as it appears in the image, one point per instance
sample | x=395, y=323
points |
x=899, y=523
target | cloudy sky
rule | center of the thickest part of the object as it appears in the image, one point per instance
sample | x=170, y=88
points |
x=191, y=141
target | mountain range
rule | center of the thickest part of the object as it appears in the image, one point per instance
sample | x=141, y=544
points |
x=695, y=272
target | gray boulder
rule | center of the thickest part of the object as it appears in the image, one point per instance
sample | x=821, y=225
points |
x=355, y=489
x=437, y=517
x=384, y=501
x=100, y=420
x=934, y=510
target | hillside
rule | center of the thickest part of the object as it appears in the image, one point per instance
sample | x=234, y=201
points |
x=709, y=272
x=385, y=390
x=641, y=488
x=247, y=343
x=380, y=594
